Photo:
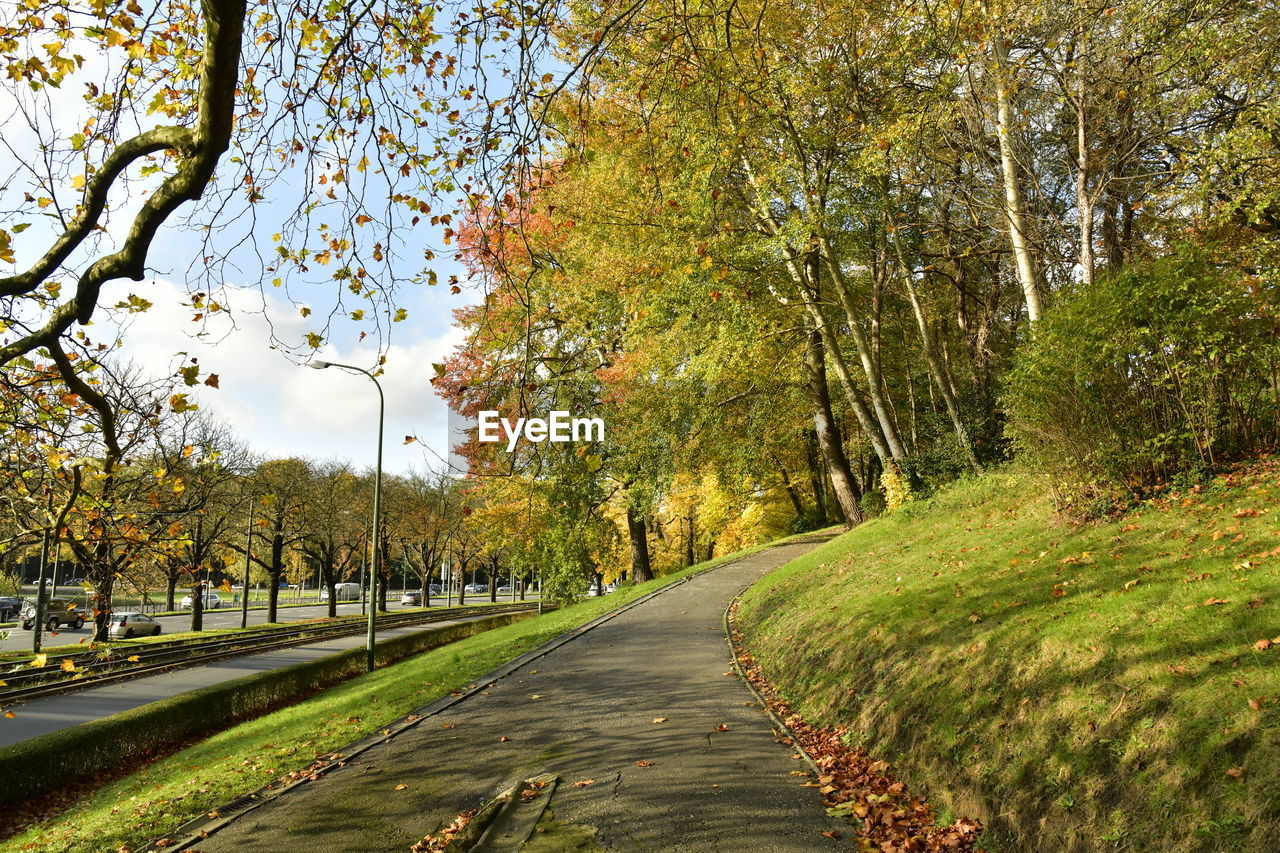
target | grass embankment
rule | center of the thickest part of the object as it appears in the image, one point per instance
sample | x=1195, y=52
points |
x=1098, y=686
x=170, y=791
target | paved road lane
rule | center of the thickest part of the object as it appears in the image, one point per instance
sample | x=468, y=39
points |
x=227, y=616
x=52, y=713
x=585, y=711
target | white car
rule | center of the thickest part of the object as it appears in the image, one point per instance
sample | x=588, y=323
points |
x=211, y=602
x=124, y=626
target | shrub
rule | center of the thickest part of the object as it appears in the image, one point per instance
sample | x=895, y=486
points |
x=1161, y=370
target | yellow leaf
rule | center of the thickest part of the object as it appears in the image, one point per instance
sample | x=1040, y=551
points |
x=132, y=658
x=10, y=714
x=39, y=660
x=68, y=665
x=78, y=182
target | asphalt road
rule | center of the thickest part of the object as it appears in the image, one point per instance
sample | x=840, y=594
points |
x=51, y=713
x=674, y=754
x=227, y=616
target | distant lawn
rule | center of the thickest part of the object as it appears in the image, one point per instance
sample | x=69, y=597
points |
x=1089, y=686
x=163, y=795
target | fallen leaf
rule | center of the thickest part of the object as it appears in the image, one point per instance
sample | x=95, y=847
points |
x=1263, y=644
x=1255, y=704
x=584, y=783
x=723, y=727
x=503, y=739
x=132, y=658
x=68, y=665
x=9, y=715
x=644, y=764
x=1209, y=602
x=39, y=660
x=536, y=696
x=830, y=833
x=1246, y=513
x=1236, y=772
x=401, y=787
x=659, y=719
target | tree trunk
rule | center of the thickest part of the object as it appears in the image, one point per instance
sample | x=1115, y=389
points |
x=1084, y=202
x=197, y=607
x=332, y=586
x=842, y=482
x=690, y=537
x=870, y=364
x=277, y=569
x=1013, y=206
x=640, y=569
x=937, y=370
x=817, y=476
x=171, y=587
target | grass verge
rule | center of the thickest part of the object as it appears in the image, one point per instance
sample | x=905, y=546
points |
x=166, y=793
x=1103, y=686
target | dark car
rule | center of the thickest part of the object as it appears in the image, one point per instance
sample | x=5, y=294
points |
x=9, y=608
x=57, y=612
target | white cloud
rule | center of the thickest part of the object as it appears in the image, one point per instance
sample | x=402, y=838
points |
x=275, y=403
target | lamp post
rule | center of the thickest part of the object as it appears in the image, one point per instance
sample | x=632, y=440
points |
x=244, y=589
x=377, y=510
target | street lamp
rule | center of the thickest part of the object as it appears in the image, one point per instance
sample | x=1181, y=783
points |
x=377, y=509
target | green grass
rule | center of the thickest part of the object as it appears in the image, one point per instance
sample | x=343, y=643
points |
x=170, y=791
x=1066, y=683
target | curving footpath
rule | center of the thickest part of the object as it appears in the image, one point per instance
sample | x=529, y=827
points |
x=711, y=777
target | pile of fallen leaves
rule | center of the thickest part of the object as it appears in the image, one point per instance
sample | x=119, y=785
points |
x=439, y=841
x=855, y=786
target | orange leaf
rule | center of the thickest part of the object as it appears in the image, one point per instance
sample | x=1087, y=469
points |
x=1236, y=772
x=723, y=727
x=584, y=783
x=644, y=764
x=401, y=787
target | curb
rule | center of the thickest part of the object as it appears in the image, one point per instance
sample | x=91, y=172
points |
x=779, y=725
x=199, y=829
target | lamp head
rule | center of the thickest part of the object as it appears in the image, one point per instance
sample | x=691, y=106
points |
x=319, y=365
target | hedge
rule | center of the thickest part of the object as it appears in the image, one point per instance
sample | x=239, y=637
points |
x=32, y=767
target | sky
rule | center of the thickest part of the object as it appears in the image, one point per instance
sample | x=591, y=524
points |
x=274, y=404
x=278, y=406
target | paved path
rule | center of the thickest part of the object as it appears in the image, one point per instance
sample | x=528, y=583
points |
x=60, y=711
x=585, y=711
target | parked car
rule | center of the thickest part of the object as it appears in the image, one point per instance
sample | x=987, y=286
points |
x=505, y=589
x=9, y=608
x=130, y=623
x=411, y=598
x=57, y=612
x=477, y=588
x=211, y=602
